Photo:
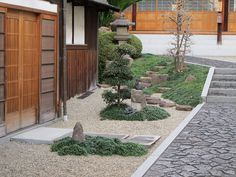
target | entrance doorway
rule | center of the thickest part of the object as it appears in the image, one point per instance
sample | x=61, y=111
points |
x=22, y=69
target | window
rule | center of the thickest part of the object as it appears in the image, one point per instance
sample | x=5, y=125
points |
x=200, y=5
x=75, y=24
x=232, y=5
x=147, y=5
x=165, y=5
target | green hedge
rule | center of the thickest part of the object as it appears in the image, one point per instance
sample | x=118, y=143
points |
x=107, y=48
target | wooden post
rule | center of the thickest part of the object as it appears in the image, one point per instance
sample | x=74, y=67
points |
x=134, y=16
x=219, y=28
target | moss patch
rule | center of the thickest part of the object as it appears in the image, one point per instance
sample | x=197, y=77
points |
x=149, y=113
x=97, y=146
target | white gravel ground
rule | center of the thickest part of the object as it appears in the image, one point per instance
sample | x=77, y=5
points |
x=24, y=160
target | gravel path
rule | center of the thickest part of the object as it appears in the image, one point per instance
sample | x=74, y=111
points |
x=211, y=62
x=206, y=147
x=23, y=160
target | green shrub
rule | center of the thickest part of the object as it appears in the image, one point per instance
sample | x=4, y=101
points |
x=126, y=49
x=150, y=113
x=97, y=146
x=136, y=42
x=107, y=48
x=111, y=98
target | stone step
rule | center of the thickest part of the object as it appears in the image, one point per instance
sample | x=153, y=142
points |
x=221, y=99
x=223, y=84
x=219, y=77
x=222, y=92
x=225, y=71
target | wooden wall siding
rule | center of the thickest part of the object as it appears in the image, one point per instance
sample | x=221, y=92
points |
x=22, y=63
x=158, y=21
x=232, y=22
x=48, y=71
x=2, y=67
x=82, y=69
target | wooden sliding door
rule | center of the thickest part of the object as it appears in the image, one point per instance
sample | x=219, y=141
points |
x=22, y=68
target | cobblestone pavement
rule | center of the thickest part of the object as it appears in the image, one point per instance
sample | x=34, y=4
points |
x=206, y=147
x=210, y=62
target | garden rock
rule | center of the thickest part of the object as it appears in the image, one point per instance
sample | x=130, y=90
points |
x=104, y=85
x=123, y=87
x=78, y=133
x=145, y=85
x=104, y=29
x=153, y=100
x=159, y=78
x=129, y=58
x=146, y=79
x=138, y=86
x=150, y=73
x=190, y=78
x=183, y=108
x=166, y=103
x=137, y=96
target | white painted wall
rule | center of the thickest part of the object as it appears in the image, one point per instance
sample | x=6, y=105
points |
x=34, y=4
x=68, y=23
x=79, y=24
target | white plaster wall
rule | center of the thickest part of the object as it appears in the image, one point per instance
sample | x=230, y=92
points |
x=79, y=25
x=68, y=23
x=34, y=4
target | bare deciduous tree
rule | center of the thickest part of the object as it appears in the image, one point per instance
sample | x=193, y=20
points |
x=181, y=42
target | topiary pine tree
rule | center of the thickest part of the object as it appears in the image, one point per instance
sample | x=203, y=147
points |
x=117, y=74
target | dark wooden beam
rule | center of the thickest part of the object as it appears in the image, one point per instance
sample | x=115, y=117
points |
x=134, y=16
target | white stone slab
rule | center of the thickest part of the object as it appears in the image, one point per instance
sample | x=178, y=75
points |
x=119, y=136
x=42, y=135
x=146, y=140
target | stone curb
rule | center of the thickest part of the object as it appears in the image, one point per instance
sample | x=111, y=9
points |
x=164, y=145
x=191, y=63
x=207, y=83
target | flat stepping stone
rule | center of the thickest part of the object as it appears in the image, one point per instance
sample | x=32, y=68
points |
x=146, y=140
x=42, y=135
x=118, y=136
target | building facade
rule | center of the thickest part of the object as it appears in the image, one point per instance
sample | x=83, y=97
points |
x=150, y=15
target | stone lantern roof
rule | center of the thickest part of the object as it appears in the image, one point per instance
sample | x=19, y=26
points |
x=122, y=21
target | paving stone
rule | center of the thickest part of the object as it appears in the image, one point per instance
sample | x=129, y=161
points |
x=206, y=146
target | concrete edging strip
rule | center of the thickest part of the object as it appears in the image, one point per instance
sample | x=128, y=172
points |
x=164, y=145
x=207, y=83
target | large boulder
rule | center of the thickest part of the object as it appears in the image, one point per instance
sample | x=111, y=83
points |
x=159, y=78
x=104, y=29
x=146, y=79
x=166, y=103
x=137, y=96
x=153, y=100
x=78, y=133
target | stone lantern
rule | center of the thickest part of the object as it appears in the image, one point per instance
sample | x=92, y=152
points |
x=122, y=29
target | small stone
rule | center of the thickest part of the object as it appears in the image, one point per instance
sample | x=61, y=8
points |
x=166, y=103
x=122, y=87
x=158, y=68
x=183, y=107
x=146, y=79
x=153, y=100
x=190, y=78
x=78, y=133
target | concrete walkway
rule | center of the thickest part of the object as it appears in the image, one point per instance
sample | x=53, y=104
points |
x=203, y=45
x=207, y=145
